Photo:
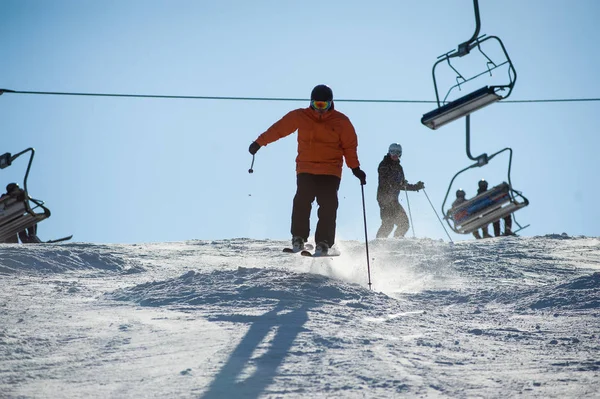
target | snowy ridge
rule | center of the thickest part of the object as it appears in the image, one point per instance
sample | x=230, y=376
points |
x=56, y=258
x=244, y=288
x=238, y=318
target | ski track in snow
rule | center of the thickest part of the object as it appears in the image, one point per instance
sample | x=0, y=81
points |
x=238, y=318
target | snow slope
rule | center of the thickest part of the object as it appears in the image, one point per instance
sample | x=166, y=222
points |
x=237, y=318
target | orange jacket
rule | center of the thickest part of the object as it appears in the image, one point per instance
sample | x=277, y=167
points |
x=323, y=139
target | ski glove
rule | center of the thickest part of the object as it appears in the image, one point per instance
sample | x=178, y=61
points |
x=420, y=185
x=362, y=176
x=254, y=147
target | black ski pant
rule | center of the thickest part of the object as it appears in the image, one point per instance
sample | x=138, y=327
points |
x=29, y=235
x=507, y=226
x=392, y=214
x=325, y=189
x=485, y=232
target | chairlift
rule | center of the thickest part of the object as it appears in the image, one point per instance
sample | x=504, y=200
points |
x=485, y=208
x=503, y=199
x=20, y=212
x=447, y=112
x=489, y=206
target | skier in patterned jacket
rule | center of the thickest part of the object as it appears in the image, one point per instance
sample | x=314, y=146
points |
x=391, y=182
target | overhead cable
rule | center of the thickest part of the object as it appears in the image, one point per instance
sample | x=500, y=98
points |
x=180, y=97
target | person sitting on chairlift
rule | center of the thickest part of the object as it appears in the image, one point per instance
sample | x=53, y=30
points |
x=461, y=198
x=14, y=239
x=29, y=234
x=483, y=186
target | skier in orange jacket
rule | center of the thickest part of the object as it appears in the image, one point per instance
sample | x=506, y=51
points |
x=325, y=138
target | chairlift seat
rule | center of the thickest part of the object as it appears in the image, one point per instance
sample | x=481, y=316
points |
x=461, y=107
x=483, y=209
x=17, y=215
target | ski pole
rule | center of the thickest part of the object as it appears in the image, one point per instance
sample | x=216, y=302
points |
x=362, y=190
x=412, y=226
x=252, y=165
x=436, y=214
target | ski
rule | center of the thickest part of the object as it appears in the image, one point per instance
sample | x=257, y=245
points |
x=59, y=239
x=330, y=253
x=291, y=250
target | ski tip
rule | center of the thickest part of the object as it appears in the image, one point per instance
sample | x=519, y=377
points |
x=316, y=255
x=59, y=240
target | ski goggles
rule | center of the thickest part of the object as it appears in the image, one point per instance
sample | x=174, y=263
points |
x=321, y=105
x=395, y=153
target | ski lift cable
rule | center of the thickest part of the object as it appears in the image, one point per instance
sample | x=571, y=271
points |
x=236, y=98
x=438, y=217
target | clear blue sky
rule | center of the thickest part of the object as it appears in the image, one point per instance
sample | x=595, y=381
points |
x=127, y=170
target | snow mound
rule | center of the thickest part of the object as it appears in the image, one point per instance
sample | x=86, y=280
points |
x=48, y=258
x=246, y=288
x=580, y=293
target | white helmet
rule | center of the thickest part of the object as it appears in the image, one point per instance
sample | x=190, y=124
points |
x=395, y=149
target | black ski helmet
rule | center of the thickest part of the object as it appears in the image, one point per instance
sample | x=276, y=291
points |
x=460, y=193
x=11, y=186
x=483, y=185
x=321, y=93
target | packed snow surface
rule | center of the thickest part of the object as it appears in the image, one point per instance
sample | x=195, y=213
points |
x=237, y=318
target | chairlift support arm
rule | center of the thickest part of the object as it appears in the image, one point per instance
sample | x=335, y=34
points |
x=465, y=48
x=7, y=159
x=481, y=159
x=30, y=149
